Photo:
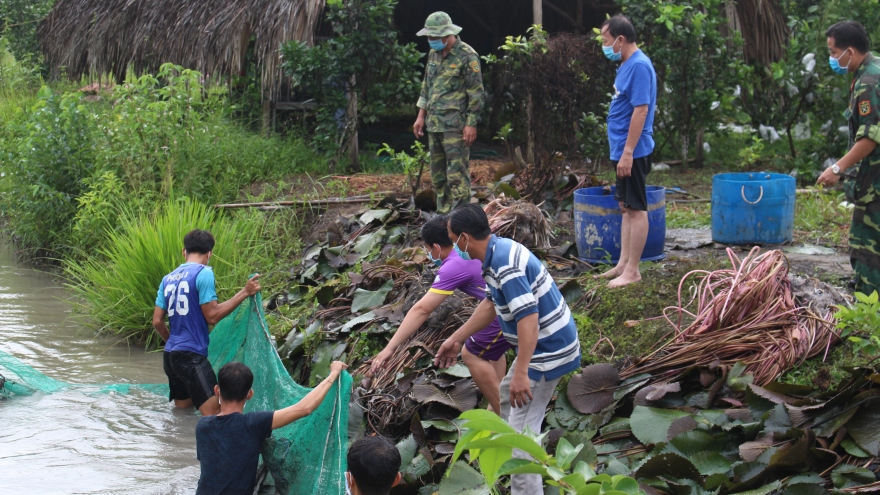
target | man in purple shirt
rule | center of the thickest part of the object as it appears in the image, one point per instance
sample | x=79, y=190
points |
x=483, y=353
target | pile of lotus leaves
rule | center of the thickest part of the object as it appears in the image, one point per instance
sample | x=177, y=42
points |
x=714, y=431
x=710, y=429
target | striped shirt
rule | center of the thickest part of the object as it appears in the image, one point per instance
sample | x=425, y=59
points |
x=519, y=285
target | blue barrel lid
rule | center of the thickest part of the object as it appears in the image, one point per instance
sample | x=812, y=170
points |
x=752, y=177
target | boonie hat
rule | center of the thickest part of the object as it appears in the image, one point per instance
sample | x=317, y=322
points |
x=439, y=24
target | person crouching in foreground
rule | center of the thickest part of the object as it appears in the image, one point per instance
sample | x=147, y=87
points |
x=228, y=444
x=373, y=466
x=483, y=353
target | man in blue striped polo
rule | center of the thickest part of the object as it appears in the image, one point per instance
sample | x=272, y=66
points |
x=534, y=317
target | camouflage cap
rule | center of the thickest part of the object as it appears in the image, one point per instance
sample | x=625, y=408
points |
x=439, y=24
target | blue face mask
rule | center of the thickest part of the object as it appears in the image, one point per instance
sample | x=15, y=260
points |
x=609, y=52
x=437, y=45
x=436, y=262
x=835, y=64
x=462, y=254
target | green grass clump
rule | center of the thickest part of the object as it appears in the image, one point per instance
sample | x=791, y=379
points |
x=116, y=287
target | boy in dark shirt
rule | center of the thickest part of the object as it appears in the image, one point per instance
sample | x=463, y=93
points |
x=228, y=445
x=373, y=466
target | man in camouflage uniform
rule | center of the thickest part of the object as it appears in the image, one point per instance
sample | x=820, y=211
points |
x=449, y=105
x=848, y=45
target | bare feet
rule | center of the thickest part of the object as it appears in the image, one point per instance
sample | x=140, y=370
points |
x=624, y=280
x=612, y=273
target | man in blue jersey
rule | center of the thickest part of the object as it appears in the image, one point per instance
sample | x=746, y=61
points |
x=187, y=295
x=631, y=142
x=534, y=318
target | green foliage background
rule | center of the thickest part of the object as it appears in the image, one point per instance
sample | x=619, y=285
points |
x=365, y=58
x=165, y=136
x=117, y=284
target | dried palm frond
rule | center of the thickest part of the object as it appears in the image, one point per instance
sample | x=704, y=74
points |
x=519, y=220
x=92, y=37
x=386, y=400
x=764, y=28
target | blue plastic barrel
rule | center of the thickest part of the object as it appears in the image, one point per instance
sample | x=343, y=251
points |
x=597, y=220
x=752, y=208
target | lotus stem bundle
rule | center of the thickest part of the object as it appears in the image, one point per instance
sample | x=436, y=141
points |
x=745, y=314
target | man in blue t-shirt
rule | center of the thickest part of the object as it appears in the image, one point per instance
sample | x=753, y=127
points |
x=187, y=295
x=631, y=142
x=228, y=444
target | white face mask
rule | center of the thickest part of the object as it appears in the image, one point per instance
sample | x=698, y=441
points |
x=347, y=483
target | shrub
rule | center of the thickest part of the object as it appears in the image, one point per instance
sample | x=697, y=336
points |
x=363, y=58
x=116, y=287
x=46, y=173
x=861, y=323
x=164, y=136
x=555, y=92
x=97, y=211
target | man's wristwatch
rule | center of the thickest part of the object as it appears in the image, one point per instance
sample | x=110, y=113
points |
x=835, y=169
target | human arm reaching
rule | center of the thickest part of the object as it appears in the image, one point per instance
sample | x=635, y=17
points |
x=416, y=316
x=856, y=154
x=311, y=401
x=483, y=315
x=214, y=311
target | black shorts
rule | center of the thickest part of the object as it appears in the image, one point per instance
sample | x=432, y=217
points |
x=190, y=376
x=631, y=191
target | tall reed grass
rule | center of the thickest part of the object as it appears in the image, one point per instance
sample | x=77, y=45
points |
x=115, y=288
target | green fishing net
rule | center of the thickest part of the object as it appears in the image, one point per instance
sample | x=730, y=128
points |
x=21, y=379
x=308, y=455
x=305, y=457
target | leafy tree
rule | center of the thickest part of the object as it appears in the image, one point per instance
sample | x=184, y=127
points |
x=45, y=176
x=18, y=24
x=363, y=62
x=697, y=67
x=799, y=95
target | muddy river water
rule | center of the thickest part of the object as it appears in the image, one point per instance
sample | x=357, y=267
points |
x=77, y=441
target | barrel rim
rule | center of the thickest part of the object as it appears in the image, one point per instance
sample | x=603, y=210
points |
x=752, y=177
x=649, y=190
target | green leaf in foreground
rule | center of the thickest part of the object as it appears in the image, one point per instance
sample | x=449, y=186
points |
x=864, y=427
x=651, y=425
x=462, y=480
x=366, y=299
x=845, y=476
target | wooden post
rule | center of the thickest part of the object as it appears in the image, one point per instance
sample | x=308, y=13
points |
x=351, y=119
x=537, y=12
x=530, y=131
x=267, y=117
x=700, y=140
x=580, y=17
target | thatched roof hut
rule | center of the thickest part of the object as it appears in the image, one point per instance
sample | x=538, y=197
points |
x=91, y=37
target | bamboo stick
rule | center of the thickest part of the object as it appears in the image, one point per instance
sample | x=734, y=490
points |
x=305, y=202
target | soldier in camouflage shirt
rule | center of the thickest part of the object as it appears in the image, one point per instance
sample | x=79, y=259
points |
x=848, y=45
x=449, y=105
